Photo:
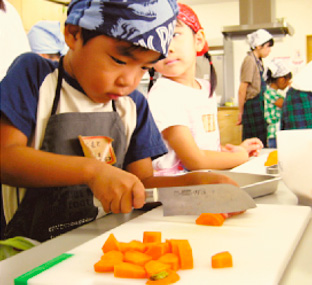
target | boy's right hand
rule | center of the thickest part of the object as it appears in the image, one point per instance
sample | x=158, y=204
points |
x=118, y=191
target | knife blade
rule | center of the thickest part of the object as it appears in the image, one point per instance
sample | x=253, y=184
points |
x=198, y=199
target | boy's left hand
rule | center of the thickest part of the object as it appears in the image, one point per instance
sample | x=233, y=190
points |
x=253, y=146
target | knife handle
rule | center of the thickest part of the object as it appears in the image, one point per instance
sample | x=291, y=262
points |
x=151, y=195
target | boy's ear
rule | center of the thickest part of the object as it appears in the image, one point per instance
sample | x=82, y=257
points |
x=200, y=40
x=72, y=33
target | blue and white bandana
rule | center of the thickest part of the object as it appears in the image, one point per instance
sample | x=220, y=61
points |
x=46, y=37
x=146, y=23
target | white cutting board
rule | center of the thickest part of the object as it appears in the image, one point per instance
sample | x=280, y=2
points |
x=254, y=165
x=261, y=242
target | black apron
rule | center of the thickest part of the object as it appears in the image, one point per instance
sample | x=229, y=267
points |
x=45, y=213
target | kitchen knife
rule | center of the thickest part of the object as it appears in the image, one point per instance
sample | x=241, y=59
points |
x=198, y=199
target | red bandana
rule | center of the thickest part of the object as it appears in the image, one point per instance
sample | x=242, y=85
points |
x=188, y=17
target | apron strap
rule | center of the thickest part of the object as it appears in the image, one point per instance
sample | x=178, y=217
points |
x=58, y=87
x=114, y=105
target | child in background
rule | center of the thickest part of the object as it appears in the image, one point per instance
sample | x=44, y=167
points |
x=13, y=38
x=278, y=77
x=185, y=108
x=297, y=107
x=46, y=39
x=46, y=105
x=252, y=86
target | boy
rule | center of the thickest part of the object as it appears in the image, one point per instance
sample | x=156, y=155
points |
x=91, y=93
x=277, y=76
x=252, y=86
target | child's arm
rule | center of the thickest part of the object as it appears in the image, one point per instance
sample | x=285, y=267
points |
x=144, y=170
x=279, y=102
x=24, y=166
x=182, y=142
x=242, y=91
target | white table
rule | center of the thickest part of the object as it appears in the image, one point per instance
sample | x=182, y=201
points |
x=298, y=271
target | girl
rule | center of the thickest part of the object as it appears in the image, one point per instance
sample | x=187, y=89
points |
x=185, y=110
x=252, y=86
x=278, y=77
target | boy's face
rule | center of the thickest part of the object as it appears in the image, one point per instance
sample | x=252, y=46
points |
x=283, y=83
x=106, y=68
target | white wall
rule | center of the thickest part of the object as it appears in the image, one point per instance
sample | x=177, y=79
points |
x=215, y=16
x=298, y=13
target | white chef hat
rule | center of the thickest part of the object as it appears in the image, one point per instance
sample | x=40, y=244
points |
x=278, y=68
x=302, y=80
x=258, y=38
x=46, y=37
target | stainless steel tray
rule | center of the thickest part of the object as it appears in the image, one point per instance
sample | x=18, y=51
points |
x=256, y=185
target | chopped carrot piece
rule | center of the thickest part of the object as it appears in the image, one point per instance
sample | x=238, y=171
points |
x=151, y=237
x=185, y=254
x=129, y=270
x=108, y=261
x=110, y=244
x=171, y=259
x=272, y=158
x=113, y=254
x=172, y=277
x=132, y=245
x=210, y=219
x=137, y=257
x=154, y=267
x=156, y=250
x=173, y=245
x=221, y=260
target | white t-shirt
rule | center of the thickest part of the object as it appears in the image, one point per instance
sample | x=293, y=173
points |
x=175, y=104
x=13, y=38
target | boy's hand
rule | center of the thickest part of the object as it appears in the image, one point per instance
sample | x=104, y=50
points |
x=117, y=190
x=253, y=146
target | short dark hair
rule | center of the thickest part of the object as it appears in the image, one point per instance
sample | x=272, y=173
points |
x=271, y=43
x=88, y=35
x=2, y=5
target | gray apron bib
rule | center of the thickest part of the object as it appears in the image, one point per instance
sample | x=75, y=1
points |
x=45, y=213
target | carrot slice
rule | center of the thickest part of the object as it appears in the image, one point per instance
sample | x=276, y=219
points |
x=110, y=244
x=132, y=245
x=137, y=257
x=171, y=259
x=151, y=237
x=156, y=250
x=272, y=158
x=185, y=254
x=221, y=260
x=108, y=261
x=154, y=267
x=210, y=219
x=173, y=245
x=129, y=270
x=172, y=277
